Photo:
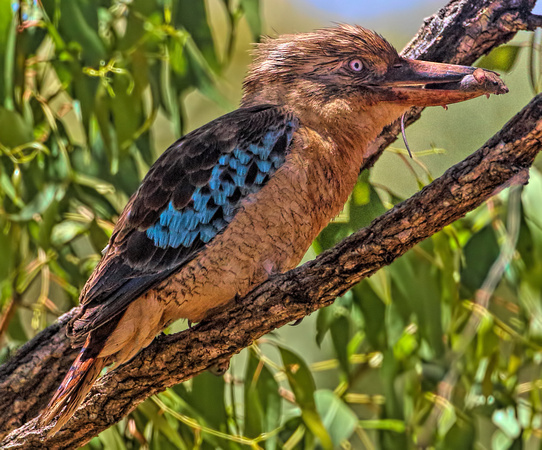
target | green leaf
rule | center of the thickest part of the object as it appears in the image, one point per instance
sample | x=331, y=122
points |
x=126, y=107
x=448, y=258
x=66, y=231
x=204, y=78
x=8, y=246
x=17, y=329
x=507, y=421
x=300, y=378
x=79, y=23
x=208, y=389
x=111, y=439
x=263, y=403
x=251, y=8
x=526, y=245
x=324, y=319
x=363, y=206
x=9, y=189
x=366, y=204
x=7, y=30
x=340, y=336
x=303, y=386
x=145, y=7
x=14, y=130
x=530, y=198
x=384, y=424
x=161, y=425
x=339, y=420
x=409, y=273
x=135, y=24
x=192, y=16
x=314, y=424
x=98, y=236
x=373, y=310
x=84, y=89
x=107, y=130
x=393, y=407
x=48, y=221
x=501, y=58
x=39, y=203
x=480, y=252
x=97, y=202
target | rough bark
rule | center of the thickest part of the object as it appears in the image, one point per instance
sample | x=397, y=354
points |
x=459, y=33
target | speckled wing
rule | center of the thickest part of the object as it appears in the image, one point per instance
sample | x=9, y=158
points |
x=189, y=196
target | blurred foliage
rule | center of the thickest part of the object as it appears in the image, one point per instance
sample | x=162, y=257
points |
x=443, y=348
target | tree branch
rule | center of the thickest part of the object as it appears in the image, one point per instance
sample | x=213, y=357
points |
x=461, y=32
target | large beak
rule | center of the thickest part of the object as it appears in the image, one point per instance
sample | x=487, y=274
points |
x=422, y=83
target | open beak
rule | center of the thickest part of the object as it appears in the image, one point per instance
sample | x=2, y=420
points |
x=423, y=83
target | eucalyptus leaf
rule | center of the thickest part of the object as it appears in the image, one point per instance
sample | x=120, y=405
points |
x=502, y=58
x=14, y=130
x=339, y=420
x=251, y=8
x=302, y=384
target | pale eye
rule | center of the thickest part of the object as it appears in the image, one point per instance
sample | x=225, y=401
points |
x=356, y=65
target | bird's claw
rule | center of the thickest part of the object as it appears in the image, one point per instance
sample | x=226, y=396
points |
x=297, y=322
x=220, y=368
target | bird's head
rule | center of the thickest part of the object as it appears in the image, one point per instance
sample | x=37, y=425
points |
x=351, y=71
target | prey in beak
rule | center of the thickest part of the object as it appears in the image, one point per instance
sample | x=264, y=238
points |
x=424, y=83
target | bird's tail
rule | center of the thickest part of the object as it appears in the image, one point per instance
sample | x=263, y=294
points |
x=117, y=340
x=75, y=386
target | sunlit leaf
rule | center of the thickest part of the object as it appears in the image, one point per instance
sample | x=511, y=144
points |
x=339, y=420
x=502, y=58
x=303, y=387
x=39, y=203
x=507, y=421
x=65, y=231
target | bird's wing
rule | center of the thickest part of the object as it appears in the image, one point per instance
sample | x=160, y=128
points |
x=188, y=197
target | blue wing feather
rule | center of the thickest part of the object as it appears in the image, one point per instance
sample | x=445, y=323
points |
x=189, y=196
x=200, y=219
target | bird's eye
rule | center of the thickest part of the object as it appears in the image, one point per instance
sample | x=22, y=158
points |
x=356, y=65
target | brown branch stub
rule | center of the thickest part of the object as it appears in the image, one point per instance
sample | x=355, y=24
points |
x=28, y=380
x=532, y=22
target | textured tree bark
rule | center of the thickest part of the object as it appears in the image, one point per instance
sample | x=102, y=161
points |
x=459, y=33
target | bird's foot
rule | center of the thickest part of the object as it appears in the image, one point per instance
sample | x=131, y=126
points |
x=236, y=298
x=221, y=367
x=282, y=283
x=296, y=323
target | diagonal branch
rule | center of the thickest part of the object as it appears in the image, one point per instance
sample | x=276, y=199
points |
x=461, y=32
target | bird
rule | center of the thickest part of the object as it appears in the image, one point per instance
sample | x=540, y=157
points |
x=243, y=197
